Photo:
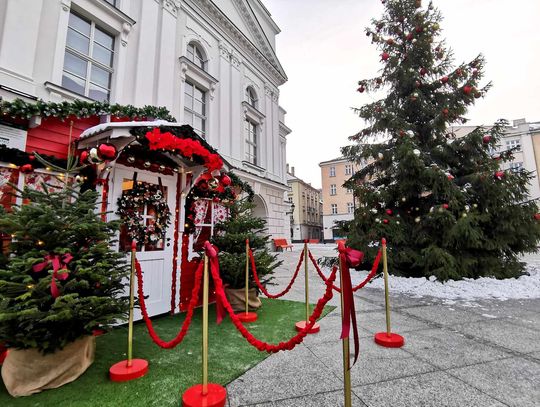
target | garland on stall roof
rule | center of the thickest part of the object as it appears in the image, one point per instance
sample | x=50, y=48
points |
x=19, y=108
x=20, y=158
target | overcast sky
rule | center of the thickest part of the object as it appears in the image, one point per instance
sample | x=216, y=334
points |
x=324, y=50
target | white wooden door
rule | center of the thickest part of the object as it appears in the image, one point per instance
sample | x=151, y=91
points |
x=156, y=261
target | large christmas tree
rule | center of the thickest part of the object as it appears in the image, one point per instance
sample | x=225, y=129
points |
x=62, y=278
x=442, y=201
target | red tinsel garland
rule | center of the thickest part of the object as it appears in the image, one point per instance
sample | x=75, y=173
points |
x=260, y=345
x=368, y=278
x=262, y=288
x=175, y=245
x=187, y=321
x=186, y=146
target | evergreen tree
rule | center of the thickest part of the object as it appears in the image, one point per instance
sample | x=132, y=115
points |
x=58, y=224
x=230, y=239
x=442, y=201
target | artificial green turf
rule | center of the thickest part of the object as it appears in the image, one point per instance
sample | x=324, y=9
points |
x=171, y=372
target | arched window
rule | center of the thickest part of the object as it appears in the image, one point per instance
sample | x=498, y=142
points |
x=195, y=55
x=251, y=97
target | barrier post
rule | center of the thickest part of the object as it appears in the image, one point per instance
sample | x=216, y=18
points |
x=387, y=339
x=247, y=316
x=131, y=368
x=205, y=394
x=346, y=348
x=302, y=324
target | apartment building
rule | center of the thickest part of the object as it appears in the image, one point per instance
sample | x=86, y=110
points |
x=306, y=214
x=338, y=202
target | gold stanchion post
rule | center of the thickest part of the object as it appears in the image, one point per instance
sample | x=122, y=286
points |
x=346, y=349
x=302, y=324
x=205, y=394
x=247, y=316
x=205, y=329
x=131, y=368
x=387, y=339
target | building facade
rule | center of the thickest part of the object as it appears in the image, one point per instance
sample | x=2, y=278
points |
x=212, y=63
x=306, y=216
x=338, y=201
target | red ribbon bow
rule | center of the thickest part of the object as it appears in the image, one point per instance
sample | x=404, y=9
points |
x=349, y=258
x=212, y=251
x=58, y=263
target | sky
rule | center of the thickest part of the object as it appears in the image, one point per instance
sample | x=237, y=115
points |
x=325, y=52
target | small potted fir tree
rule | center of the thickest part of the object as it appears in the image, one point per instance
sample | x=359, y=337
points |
x=61, y=281
x=230, y=239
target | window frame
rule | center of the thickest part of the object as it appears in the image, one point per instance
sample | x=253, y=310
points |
x=513, y=143
x=192, y=45
x=333, y=189
x=249, y=143
x=332, y=171
x=350, y=207
x=203, y=116
x=516, y=166
x=251, y=97
x=348, y=169
x=89, y=57
x=333, y=209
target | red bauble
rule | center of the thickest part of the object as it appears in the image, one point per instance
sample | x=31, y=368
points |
x=390, y=41
x=410, y=36
x=26, y=168
x=385, y=221
x=423, y=71
x=203, y=185
x=499, y=174
x=467, y=89
x=83, y=158
x=445, y=206
x=450, y=176
x=385, y=56
x=445, y=112
x=444, y=79
x=419, y=29
x=31, y=157
x=401, y=133
x=226, y=180
x=486, y=139
x=361, y=89
x=107, y=151
x=389, y=212
x=537, y=216
x=459, y=72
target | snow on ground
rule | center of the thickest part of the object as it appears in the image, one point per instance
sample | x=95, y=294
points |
x=527, y=286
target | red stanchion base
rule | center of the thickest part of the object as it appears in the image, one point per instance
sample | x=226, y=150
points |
x=247, y=316
x=302, y=324
x=389, y=340
x=215, y=397
x=121, y=372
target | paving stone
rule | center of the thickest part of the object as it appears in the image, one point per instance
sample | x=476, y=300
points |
x=446, y=349
x=437, y=389
x=520, y=377
x=444, y=314
x=496, y=331
x=331, y=331
x=400, y=323
x=374, y=364
x=315, y=400
x=259, y=386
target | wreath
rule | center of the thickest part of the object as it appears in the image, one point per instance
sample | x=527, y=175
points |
x=129, y=205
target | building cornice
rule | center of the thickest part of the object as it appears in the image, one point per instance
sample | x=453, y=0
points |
x=266, y=58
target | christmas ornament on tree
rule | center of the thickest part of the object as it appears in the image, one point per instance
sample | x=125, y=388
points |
x=26, y=168
x=107, y=152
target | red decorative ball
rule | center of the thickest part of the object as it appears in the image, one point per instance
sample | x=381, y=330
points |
x=26, y=168
x=226, y=180
x=445, y=112
x=361, y=89
x=467, y=89
x=486, y=139
x=499, y=174
x=450, y=176
x=537, y=216
x=445, y=206
x=385, y=56
x=385, y=221
x=389, y=212
x=83, y=158
x=459, y=72
x=390, y=41
x=203, y=185
x=107, y=151
x=444, y=79
x=410, y=36
x=31, y=157
x=419, y=29
x=423, y=71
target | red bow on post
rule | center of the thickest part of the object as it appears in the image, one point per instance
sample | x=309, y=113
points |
x=211, y=252
x=349, y=258
x=58, y=263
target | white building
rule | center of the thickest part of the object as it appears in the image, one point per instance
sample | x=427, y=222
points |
x=212, y=63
